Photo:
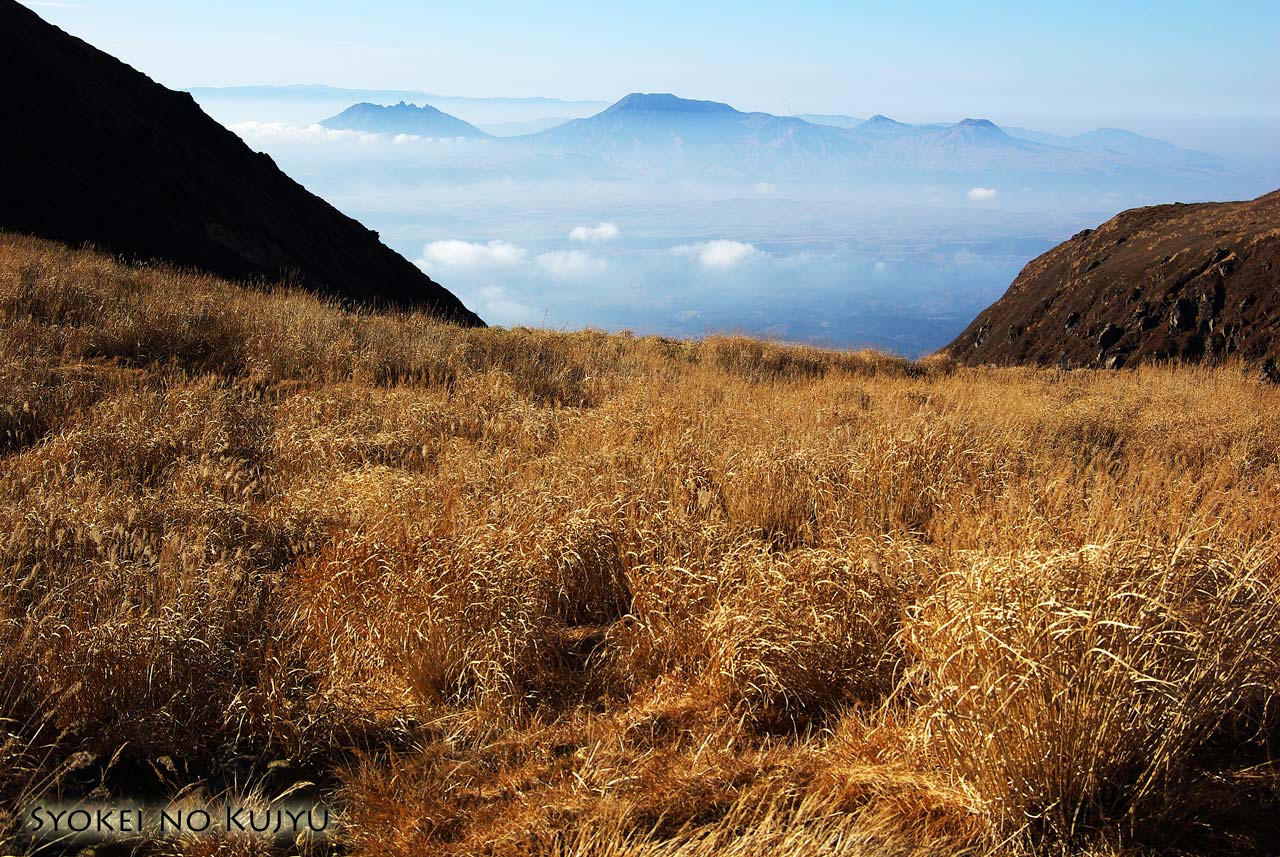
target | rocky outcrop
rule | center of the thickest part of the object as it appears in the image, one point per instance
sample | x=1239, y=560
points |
x=1168, y=282
x=94, y=151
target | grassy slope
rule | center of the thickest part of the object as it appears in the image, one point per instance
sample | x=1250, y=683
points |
x=522, y=591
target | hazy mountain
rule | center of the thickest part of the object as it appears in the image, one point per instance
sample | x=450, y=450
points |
x=402, y=118
x=661, y=131
x=971, y=145
x=107, y=156
x=1116, y=141
x=1186, y=282
x=881, y=128
x=833, y=120
x=305, y=104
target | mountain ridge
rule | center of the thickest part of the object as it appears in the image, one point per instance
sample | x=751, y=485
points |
x=662, y=132
x=1198, y=282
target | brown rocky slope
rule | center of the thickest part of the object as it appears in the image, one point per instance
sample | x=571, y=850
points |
x=1195, y=283
x=95, y=151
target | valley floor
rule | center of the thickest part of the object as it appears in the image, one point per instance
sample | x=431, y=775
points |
x=517, y=591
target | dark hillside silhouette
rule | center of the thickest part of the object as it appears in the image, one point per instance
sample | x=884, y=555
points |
x=95, y=151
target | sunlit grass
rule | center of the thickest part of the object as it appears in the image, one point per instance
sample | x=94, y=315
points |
x=520, y=591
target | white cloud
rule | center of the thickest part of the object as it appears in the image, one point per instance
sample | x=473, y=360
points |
x=766, y=188
x=721, y=253
x=452, y=253
x=570, y=264
x=981, y=193
x=603, y=232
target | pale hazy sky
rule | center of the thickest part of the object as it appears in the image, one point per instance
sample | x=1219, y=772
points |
x=1184, y=69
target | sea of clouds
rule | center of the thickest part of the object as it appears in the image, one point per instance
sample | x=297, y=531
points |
x=534, y=239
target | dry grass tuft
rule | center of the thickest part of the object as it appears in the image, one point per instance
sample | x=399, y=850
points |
x=1077, y=689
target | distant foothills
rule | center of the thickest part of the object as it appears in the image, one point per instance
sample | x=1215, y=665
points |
x=660, y=131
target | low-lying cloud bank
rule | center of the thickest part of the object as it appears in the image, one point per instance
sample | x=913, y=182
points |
x=454, y=253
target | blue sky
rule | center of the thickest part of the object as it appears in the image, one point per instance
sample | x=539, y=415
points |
x=1062, y=66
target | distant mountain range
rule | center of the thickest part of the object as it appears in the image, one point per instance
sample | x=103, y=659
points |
x=402, y=118
x=1108, y=141
x=661, y=133
x=1116, y=141
x=970, y=145
x=320, y=92
x=666, y=133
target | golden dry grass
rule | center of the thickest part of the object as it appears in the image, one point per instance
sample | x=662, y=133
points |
x=511, y=592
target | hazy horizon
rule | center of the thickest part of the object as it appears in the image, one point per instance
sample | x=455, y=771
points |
x=1200, y=77
x=1248, y=138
